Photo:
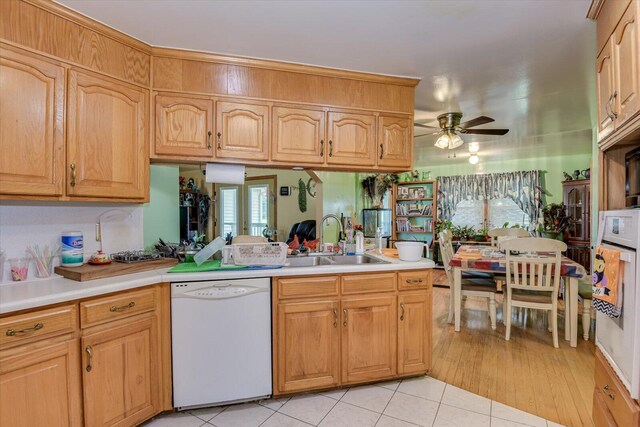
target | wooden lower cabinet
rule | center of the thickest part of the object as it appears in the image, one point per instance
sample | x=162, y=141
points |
x=612, y=403
x=41, y=387
x=414, y=332
x=368, y=338
x=308, y=345
x=120, y=373
x=365, y=330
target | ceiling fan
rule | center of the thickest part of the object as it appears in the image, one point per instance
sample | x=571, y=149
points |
x=451, y=127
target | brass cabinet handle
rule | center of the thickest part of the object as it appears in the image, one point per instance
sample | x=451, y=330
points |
x=322, y=148
x=344, y=312
x=73, y=174
x=219, y=135
x=381, y=151
x=402, y=308
x=209, y=140
x=89, y=351
x=335, y=317
x=413, y=281
x=113, y=308
x=13, y=333
x=330, y=148
x=609, y=393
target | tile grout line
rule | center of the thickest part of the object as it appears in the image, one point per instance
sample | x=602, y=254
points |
x=334, y=405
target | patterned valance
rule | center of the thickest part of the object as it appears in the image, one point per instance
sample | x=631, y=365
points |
x=522, y=187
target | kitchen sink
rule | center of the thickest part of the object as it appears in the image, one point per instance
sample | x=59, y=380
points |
x=315, y=260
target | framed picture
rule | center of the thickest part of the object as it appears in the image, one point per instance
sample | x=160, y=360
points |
x=421, y=193
x=403, y=192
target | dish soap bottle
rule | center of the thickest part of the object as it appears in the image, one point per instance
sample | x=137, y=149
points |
x=359, y=243
x=379, y=241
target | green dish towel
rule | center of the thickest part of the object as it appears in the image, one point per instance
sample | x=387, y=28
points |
x=192, y=267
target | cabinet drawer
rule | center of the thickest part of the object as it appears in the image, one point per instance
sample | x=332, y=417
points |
x=624, y=410
x=600, y=414
x=302, y=287
x=367, y=283
x=412, y=280
x=115, y=307
x=28, y=327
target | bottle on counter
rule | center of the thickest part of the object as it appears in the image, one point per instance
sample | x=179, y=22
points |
x=379, y=241
x=359, y=243
x=350, y=248
x=72, y=245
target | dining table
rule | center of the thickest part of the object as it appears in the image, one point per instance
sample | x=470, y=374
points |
x=491, y=260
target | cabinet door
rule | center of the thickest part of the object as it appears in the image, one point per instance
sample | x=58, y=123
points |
x=368, y=338
x=307, y=345
x=31, y=124
x=41, y=387
x=298, y=135
x=184, y=126
x=107, y=150
x=604, y=89
x=395, y=141
x=414, y=332
x=627, y=71
x=352, y=139
x=242, y=130
x=121, y=375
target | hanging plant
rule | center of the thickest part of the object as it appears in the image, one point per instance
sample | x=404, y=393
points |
x=302, y=196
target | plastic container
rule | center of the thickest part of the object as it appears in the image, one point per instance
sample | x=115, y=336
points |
x=268, y=254
x=19, y=269
x=411, y=251
x=379, y=240
x=208, y=251
x=72, y=245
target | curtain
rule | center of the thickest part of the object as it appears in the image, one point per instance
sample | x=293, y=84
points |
x=522, y=187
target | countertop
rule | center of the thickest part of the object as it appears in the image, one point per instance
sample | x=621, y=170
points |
x=16, y=296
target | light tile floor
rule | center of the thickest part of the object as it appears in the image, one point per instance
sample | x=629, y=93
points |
x=422, y=401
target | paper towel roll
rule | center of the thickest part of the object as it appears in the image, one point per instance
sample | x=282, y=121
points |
x=224, y=174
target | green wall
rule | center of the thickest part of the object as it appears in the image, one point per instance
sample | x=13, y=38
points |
x=339, y=196
x=161, y=216
x=551, y=166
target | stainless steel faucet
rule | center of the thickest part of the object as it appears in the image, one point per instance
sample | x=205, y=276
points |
x=324, y=218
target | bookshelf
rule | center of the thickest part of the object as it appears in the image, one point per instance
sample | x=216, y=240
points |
x=414, y=209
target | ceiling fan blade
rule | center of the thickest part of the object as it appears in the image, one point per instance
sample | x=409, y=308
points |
x=484, y=131
x=482, y=120
x=420, y=125
x=427, y=134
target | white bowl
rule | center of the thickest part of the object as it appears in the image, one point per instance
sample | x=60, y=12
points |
x=410, y=251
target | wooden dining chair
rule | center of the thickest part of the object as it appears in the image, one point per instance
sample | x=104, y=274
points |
x=499, y=232
x=533, y=281
x=472, y=286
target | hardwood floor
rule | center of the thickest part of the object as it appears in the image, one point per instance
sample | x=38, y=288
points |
x=526, y=372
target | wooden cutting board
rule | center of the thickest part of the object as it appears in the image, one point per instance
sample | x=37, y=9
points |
x=92, y=272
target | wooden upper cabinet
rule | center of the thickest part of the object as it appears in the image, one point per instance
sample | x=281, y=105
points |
x=107, y=149
x=605, y=89
x=184, y=126
x=414, y=332
x=120, y=368
x=242, y=130
x=31, y=124
x=395, y=141
x=42, y=387
x=298, y=135
x=626, y=47
x=368, y=338
x=307, y=345
x=352, y=139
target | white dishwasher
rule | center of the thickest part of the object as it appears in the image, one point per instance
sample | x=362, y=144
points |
x=221, y=341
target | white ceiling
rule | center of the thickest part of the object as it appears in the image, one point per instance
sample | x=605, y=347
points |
x=528, y=64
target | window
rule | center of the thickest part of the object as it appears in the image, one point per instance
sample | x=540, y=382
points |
x=229, y=210
x=258, y=208
x=494, y=213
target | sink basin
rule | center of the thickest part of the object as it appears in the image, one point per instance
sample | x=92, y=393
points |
x=353, y=260
x=307, y=261
x=315, y=260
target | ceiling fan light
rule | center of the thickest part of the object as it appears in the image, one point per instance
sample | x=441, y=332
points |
x=474, y=147
x=455, y=141
x=443, y=141
x=473, y=159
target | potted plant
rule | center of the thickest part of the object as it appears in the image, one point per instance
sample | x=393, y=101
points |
x=441, y=225
x=554, y=221
x=481, y=235
x=376, y=186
